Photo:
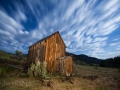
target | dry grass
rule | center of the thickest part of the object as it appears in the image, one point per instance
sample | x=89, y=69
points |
x=108, y=79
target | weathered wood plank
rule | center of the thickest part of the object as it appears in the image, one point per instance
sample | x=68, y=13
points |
x=64, y=65
x=48, y=50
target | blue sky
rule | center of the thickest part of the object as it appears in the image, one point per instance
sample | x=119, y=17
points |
x=90, y=27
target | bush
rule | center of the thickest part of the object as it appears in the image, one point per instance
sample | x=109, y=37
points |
x=118, y=69
x=43, y=70
x=95, y=66
x=30, y=73
x=31, y=70
x=38, y=69
x=4, y=70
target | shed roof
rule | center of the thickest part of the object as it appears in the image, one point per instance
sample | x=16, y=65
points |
x=49, y=37
x=63, y=57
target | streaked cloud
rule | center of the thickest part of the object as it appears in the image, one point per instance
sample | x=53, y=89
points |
x=85, y=26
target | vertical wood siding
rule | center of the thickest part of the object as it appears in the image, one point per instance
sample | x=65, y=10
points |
x=65, y=65
x=48, y=50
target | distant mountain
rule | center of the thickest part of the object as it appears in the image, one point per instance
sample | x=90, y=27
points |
x=84, y=59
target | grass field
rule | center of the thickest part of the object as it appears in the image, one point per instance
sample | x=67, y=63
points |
x=106, y=79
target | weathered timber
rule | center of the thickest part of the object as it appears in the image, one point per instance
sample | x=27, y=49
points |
x=67, y=79
x=20, y=68
x=64, y=65
x=48, y=49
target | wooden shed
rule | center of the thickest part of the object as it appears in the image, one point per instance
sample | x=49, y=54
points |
x=64, y=65
x=48, y=49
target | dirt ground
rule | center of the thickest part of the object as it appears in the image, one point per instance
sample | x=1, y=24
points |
x=87, y=78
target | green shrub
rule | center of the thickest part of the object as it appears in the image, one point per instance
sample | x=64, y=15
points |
x=38, y=69
x=30, y=73
x=43, y=69
x=31, y=70
x=5, y=69
x=2, y=71
x=95, y=66
x=32, y=67
x=118, y=69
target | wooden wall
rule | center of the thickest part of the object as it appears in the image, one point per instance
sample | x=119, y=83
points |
x=48, y=50
x=55, y=48
x=36, y=52
x=65, y=65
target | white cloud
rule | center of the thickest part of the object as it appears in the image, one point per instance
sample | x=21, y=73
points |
x=83, y=25
x=5, y=18
x=11, y=32
x=118, y=48
x=26, y=32
x=115, y=43
x=72, y=7
x=110, y=4
x=110, y=54
x=100, y=39
x=20, y=16
x=116, y=39
x=22, y=32
x=88, y=39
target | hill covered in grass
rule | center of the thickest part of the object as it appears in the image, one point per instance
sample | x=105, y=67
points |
x=84, y=59
x=77, y=59
x=5, y=55
x=111, y=62
x=8, y=54
x=10, y=58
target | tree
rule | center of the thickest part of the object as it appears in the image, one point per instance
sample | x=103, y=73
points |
x=18, y=54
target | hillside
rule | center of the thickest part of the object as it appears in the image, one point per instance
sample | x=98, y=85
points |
x=5, y=54
x=86, y=78
x=8, y=54
x=10, y=58
x=84, y=59
x=111, y=62
x=78, y=59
